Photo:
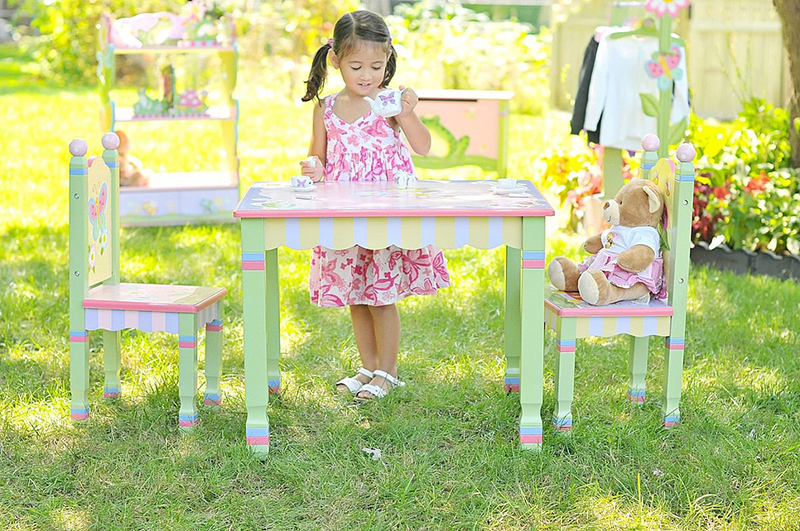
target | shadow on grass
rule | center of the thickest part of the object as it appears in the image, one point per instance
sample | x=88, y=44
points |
x=448, y=438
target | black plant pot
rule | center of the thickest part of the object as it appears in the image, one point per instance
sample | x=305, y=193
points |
x=722, y=257
x=743, y=261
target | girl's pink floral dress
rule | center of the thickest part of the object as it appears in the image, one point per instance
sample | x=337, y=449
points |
x=370, y=150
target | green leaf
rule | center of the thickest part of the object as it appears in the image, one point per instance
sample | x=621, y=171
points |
x=649, y=104
x=677, y=132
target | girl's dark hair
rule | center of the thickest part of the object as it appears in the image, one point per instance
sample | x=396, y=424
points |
x=352, y=29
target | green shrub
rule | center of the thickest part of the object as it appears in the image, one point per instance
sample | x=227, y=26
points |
x=445, y=45
x=66, y=50
x=291, y=29
x=749, y=195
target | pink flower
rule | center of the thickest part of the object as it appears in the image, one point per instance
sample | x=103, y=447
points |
x=661, y=7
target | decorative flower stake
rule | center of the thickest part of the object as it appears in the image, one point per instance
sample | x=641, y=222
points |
x=662, y=7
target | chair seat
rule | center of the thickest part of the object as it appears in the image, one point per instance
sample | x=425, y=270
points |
x=153, y=297
x=568, y=304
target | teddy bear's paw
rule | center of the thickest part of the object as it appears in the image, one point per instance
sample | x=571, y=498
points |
x=593, y=287
x=563, y=274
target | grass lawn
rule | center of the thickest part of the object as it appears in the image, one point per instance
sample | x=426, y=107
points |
x=448, y=439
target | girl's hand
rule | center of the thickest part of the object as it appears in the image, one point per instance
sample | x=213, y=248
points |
x=312, y=167
x=409, y=99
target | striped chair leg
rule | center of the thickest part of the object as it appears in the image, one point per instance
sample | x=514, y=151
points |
x=637, y=362
x=670, y=411
x=565, y=375
x=79, y=374
x=111, y=363
x=187, y=370
x=213, y=370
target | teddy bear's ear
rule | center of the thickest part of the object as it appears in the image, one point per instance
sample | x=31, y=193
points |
x=653, y=196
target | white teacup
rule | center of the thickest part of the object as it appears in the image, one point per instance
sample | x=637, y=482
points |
x=506, y=184
x=387, y=103
x=301, y=181
x=404, y=179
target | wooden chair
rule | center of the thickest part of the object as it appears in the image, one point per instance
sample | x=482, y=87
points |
x=98, y=301
x=572, y=319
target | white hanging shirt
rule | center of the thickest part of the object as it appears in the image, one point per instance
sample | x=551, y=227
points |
x=620, y=75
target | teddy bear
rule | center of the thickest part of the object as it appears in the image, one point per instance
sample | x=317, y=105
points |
x=131, y=170
x=625, y=261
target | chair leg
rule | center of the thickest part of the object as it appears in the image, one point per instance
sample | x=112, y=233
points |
x=513, y=331
x=112, y=356
x=213, y=363
x=273, y=322
x=637, y=362
x=79, y=374
x=187, y=369
x=670, y=412
x=565, y=374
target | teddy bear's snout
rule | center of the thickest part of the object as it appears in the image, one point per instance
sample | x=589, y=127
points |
x=611, y=212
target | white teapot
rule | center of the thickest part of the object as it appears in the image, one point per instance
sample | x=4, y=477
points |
x=387, y=103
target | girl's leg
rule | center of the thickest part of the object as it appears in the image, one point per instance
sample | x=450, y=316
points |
x=386, y=323
x=364, y=332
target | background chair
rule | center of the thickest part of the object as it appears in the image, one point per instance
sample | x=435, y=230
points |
x=572, y=319
x=98, y=301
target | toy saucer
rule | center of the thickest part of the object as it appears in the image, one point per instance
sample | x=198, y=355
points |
x=304, y=188
x=504, y=191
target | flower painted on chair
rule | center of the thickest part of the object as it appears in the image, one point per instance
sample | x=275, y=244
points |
x=664, y=68
x=97, y=211
x=662, y=7
x=103, y=239
x=92, y=257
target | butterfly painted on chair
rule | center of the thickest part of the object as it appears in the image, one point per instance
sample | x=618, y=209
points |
x=97, y=212
x=664, y=68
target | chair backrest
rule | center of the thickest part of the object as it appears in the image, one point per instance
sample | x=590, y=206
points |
x=677, y=184
x=93, y=218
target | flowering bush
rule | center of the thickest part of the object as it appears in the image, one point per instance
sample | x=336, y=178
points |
x=574, y=175
x=745, y=194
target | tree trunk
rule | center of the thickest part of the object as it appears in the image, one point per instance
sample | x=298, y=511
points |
x=789, y=11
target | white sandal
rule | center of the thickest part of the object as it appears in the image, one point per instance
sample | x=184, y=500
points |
x=353, y=384
x=377, y=391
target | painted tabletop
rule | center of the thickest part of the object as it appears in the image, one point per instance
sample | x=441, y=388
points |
x=382, y=199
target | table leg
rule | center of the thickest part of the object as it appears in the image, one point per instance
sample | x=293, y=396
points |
x=254, y=302
x=512, y=329
x=187, y=370
x=273, y=315
x=532, y=332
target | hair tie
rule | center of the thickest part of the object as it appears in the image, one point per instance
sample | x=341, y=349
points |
x=330, y=43
x=390, y=42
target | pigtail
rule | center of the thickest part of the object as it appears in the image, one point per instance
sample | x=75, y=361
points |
x=318, y=74
x=391, y=66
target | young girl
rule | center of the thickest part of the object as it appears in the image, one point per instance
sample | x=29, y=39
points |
x=349, y=142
